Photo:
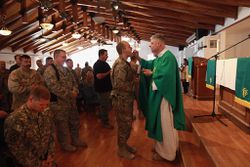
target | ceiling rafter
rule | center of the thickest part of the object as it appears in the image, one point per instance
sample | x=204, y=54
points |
x=188, y=7
x=139, y=19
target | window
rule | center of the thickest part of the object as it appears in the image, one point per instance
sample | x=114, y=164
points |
x=213, y=43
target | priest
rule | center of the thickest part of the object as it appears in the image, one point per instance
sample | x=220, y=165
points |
x=160, y=98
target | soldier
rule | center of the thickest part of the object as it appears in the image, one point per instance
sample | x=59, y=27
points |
x=41, y=67
x=48, y=61
x=18, y=63
x=78, y=71
x=21, y=81
x=123, y=95
x=85, y=70
x=64, y=92
x=29, y=131
x=69, y=63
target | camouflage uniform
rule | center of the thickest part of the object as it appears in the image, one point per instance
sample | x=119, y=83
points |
x=29, y=136
x=84, y=72
x=122, y=98
x=20, y=83
x=78, y=71
x=41, y=70
x=66, y=114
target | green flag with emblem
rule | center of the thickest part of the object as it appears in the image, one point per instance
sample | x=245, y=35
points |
x=242, y=85
x=190, y=62
x=210, y=75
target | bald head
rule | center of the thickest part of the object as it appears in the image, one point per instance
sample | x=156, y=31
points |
x=124, y=49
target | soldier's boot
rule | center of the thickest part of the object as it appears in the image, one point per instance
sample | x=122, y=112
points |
x=79, y=143
x=131, y=149
x=124, y=153
x=69, y=148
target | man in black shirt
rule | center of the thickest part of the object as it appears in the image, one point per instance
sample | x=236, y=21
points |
x=103, y=86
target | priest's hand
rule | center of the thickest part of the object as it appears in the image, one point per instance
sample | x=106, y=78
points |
x=147, y=72
x=136, y=55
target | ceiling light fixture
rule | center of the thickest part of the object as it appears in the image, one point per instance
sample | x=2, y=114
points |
x=115, y=5
x=47, y=26
x=115, y=31
x=5, y=32
x=76, y=35
x=93, y=41
x=79, y=47
x=125, y=38
x=65, y=44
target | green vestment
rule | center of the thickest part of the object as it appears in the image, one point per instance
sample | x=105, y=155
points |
x=167, y=80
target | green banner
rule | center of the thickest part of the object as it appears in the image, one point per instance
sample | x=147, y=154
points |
x=210, y=75
x=242, y=85
x=190, y=63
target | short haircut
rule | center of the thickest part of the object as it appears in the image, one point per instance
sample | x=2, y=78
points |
x=40, y=92
x=57, y=52
x=25, y=57
x=186, y=61
x=159, y=37
x=86, y=64
x=120, y=47
x=69, y=60
x=101, y=52
x=48, y=58
x=17, y=56
x=39, y=60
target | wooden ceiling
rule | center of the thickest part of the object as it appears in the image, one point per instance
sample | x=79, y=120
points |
x=139, y=19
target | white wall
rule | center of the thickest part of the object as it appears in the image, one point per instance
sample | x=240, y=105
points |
x=145, y=51
x=243, y=12
x=8, y=56
x=91, y=54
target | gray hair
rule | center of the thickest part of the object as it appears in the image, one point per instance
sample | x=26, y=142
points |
x=159, y=37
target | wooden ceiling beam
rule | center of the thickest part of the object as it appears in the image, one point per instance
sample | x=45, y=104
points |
x=181, y=30
x=164, y=34
x=73, y=44
x=176, y=15
x=161, y=21
x=17, y=32
x=243, y=3
x=52, y=43
x=31, y=42
x=75, y=51
x=22, y=39
x=68, y=39
x=177, y=33
x=148, y=30
x=60, y=36
x=174, y=22
x=146, y=37
x=186, y=6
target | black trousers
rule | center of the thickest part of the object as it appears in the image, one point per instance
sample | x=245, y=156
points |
x=185, y=86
